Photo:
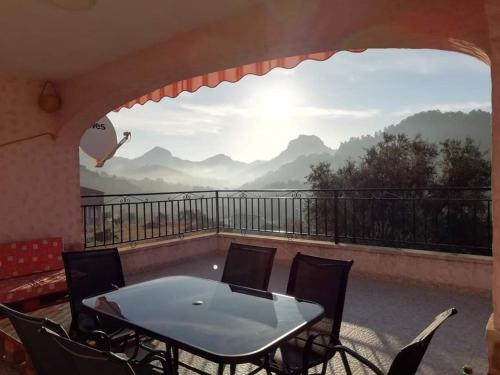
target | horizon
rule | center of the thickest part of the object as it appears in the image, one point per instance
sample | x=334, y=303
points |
x=349, y=95
x=298, y=136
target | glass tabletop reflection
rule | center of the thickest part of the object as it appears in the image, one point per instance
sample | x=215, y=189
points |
x=217, y=319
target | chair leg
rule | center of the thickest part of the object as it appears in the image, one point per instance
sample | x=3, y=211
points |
x=136, y=339
x=347, y=368
x=267, y=364
x=323, y=367
x=169, y=359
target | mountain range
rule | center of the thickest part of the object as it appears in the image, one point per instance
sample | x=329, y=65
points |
x=217, y=171
x=159, y=170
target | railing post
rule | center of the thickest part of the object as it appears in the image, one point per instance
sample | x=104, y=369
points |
x=217, y=210
x=335, y=220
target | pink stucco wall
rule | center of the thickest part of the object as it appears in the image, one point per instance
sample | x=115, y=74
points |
x=39, y=177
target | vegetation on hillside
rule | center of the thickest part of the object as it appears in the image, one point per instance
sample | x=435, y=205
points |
x=399, y=213
x=398, y=161
x=434, y=126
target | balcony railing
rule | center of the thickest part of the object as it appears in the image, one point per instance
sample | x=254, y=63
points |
x=442, y=218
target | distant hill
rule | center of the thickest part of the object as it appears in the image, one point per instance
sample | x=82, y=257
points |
x=219, y=171
x=160, y=163
x=121, y=185
x=302, y=146
x=290, y=175
x=434, y=126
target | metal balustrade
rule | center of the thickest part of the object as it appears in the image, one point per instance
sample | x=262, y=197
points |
x=438, y=218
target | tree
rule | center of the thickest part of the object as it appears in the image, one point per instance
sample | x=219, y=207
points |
x=463, y=164
x=397, y=161
x=323, y=177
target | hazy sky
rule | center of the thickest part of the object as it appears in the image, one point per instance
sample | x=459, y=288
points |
x=348, y=95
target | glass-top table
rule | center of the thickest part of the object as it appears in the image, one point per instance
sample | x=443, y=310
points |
x=220, y=322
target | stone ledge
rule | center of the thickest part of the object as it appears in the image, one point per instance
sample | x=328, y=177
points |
x=157, y=254
x=470, y=273
x=160, y=243
x=456, y=257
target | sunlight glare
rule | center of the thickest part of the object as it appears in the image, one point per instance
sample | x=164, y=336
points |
x=272, y=112
x=275, y=104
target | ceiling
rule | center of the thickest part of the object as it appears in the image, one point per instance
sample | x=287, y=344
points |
x=42, y=40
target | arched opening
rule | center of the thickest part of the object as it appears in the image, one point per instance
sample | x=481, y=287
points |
x=271, y=113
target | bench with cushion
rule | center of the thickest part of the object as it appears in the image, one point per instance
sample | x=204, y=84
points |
x=31, y=273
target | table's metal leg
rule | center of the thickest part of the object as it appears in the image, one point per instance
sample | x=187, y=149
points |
x=175, y=360
x=220, y=370
x=232, y=369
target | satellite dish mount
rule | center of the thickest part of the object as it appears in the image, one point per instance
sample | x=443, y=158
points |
x=100, y=163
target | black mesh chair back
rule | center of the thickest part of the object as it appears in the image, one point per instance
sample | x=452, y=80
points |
x=88, y=360
x=408, y=359
x=248, y=266
x=89, y=273
x=323, y=281
x=44, y=355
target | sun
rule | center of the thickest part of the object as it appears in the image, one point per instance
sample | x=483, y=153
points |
x=272, y=117
x=275, y=104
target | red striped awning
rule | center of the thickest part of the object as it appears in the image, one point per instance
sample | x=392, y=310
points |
x=228, y=75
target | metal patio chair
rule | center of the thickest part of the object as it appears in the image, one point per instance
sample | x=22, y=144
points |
x=323, y=281
x=44, y=356
x=408, y=359
x=86, y=360
x=248, y=266
x=89, y=273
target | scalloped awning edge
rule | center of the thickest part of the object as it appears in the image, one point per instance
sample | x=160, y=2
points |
x=228, y=75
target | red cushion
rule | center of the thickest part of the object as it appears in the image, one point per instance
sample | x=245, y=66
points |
x=27, y=287
x=28, y=257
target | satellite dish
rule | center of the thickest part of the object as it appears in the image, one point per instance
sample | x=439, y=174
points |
x=99, y=141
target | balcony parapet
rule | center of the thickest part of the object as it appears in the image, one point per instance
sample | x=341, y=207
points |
x=469, y=273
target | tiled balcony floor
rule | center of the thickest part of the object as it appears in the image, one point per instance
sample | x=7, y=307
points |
x=380, y=317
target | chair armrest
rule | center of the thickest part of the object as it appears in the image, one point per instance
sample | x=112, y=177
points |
x=310, y=342
x=359, y=357
x=149, y=359
x=331, y=349
x=90, y=320
x=101, y=339
x=157, y=352
x=54, y=327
